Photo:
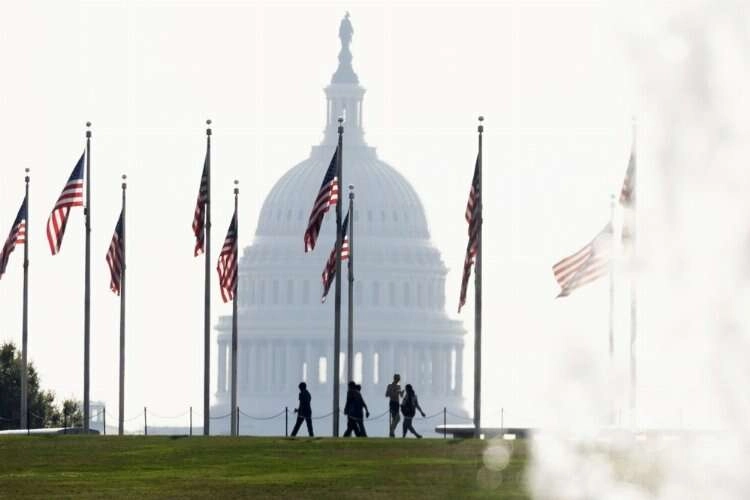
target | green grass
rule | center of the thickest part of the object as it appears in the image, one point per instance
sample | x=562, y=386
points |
x=223, y=467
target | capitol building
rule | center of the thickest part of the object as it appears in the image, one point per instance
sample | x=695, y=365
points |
x=285, y=332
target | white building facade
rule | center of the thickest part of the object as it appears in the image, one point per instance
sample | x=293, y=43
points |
x=286, y=333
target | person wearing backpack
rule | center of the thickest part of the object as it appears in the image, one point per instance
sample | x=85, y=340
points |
x=409, y=407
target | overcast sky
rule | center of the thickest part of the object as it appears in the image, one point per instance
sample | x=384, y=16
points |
x=553, y=79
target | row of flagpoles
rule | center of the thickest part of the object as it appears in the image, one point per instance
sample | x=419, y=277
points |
x=588, y=264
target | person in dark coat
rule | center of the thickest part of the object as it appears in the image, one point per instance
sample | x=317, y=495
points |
x=358, y=412
x=350, y=410
x=304, y=410
x=409, y=407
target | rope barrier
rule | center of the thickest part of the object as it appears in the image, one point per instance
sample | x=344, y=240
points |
x=91, y=417
x=386, y=412
x=282, y=413
x=263, y=418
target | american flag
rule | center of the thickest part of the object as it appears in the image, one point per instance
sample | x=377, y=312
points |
x=227, y=266
x=199, y=219
x=586, y=265
x=327, y=197
x=473, y=195
x=329, y=272
x=474, y=218
x=71, y=196
x=115, y=258
x=17, y=236
x=627, y=200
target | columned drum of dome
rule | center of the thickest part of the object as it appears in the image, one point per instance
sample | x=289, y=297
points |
x=400, y=323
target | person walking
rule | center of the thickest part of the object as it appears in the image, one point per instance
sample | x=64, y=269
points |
x=393, y=392
x=350, y=410
x=303, y=411
x=358, y=412
x=409, y=407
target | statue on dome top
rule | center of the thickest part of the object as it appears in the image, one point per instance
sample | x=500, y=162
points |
x=345, y=73
x=346, y=31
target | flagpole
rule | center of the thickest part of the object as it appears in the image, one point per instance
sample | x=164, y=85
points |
x=207, y=293
x=350, y=269
x=121, y=416
x=87, y=285
x=337, y=316
x=611, y=310
x=611, y=287
x=478, y=299
x=633, y=286
x=25, y=327
x=235, y=429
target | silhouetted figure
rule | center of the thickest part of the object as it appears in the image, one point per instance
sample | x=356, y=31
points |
x=349, y=410
x=363, y=405
x=409, y=407
x=393, y=393
x=304, y=411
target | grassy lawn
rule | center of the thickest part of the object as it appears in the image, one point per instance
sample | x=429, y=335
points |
x=223, y=467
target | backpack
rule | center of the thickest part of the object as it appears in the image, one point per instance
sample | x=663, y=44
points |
x=407, y=407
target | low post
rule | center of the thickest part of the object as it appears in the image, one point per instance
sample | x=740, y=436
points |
x=191, y=421
x=28, y=423
x=104, y=420
x=445, y=426
x=286, y=421
x=65, y=422
x=145, y=422
x=502, y=420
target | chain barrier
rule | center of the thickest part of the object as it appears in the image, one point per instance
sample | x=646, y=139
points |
x=280, y=414
x=92, y=417
x=263, y=418
x=372, y=419
x=140, y=415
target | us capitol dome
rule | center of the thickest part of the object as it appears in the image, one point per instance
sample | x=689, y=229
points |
x=286, y=334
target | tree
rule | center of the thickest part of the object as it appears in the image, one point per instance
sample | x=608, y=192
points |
x=42, y=410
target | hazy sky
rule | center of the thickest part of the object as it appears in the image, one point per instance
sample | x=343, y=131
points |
x=553, y=80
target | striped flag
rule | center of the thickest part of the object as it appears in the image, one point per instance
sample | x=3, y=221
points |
x=227, y=266
x=328, y=196
x=627, y=193
x=627, y=201
x=329, y=272
x=199, y=218
x=473, y=195
x=71, y=196
x=474, y=218
x=586, y=265
x=115, y=258
x=17, y=236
